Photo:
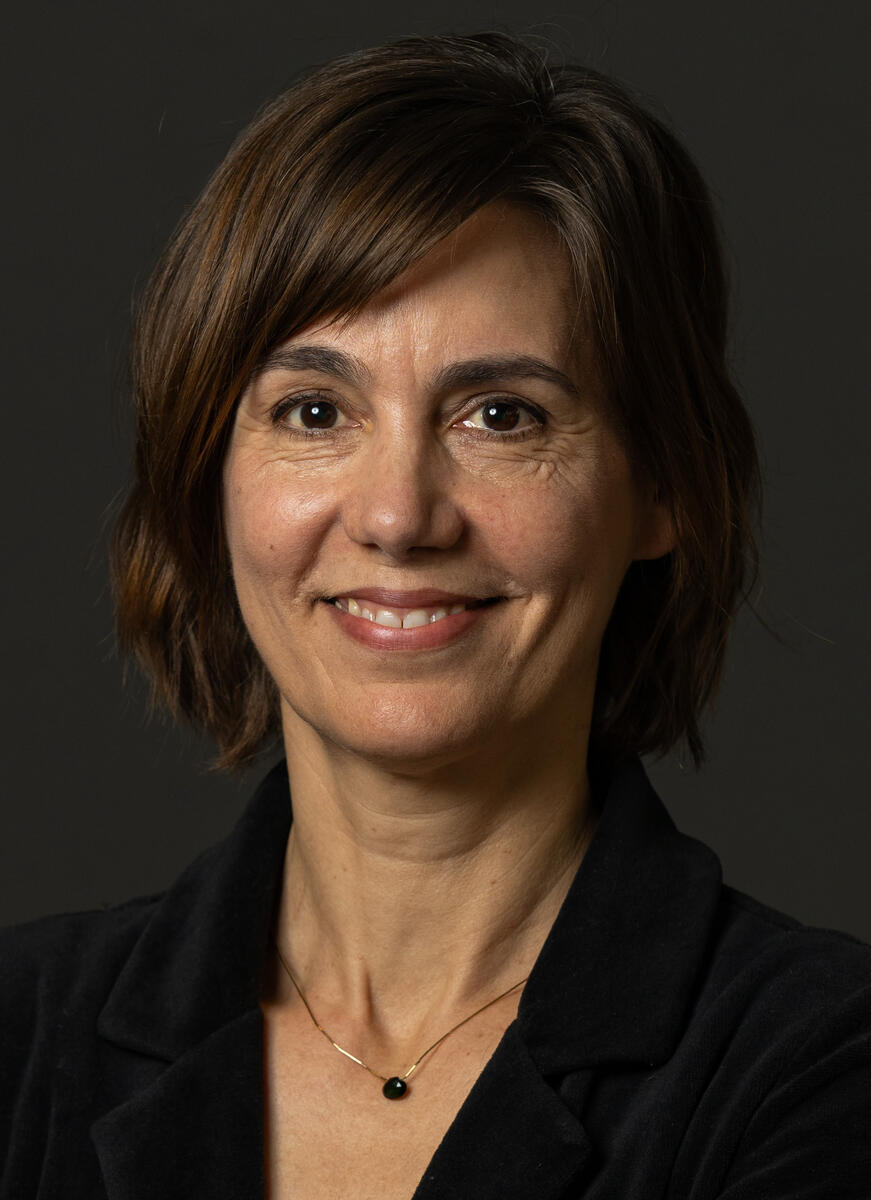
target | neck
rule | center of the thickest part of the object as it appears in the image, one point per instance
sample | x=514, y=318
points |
x=412, y=897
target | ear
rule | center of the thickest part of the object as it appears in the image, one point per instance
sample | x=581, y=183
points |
x=656, y=532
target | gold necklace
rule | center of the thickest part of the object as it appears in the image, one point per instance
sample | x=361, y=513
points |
x=395, y=1086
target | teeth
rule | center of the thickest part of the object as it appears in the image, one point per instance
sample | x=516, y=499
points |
x=383, y=616
x=392, y=620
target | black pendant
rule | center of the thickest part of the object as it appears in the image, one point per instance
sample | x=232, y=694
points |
x=395, y=1088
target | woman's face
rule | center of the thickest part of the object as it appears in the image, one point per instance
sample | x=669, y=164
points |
x=453, y=438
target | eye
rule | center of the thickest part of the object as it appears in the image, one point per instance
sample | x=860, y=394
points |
x=505, y=417
x=307, y=415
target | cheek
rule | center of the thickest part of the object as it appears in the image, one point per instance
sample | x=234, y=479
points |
x=270, y=526
x=563, y=531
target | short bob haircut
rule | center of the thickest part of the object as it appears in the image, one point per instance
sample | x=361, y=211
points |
x=334, y=190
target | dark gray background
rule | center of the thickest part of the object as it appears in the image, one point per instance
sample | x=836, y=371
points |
x=116, y=113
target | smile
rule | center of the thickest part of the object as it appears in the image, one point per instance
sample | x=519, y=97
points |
x=425, y=627
x=403, y=618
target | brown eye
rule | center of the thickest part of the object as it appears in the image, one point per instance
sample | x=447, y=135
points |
x=500, y=415
x=508, y=417
x=309, y=416
x=317, y=414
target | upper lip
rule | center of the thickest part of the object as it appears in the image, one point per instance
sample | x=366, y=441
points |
x=419, y=597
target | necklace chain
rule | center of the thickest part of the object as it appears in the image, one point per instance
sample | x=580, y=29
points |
x=394, y=1078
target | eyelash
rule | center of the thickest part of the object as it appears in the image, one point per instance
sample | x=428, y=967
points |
x=286, y=406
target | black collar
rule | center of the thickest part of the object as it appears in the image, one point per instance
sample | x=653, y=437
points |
x=198, y=964
x=614, y=980
x=612, y=983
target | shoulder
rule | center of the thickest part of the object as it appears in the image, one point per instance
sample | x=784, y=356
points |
x=755, y=940
x=784, y=1016
x=791, y=994
x=57, y=971
x=66, y=950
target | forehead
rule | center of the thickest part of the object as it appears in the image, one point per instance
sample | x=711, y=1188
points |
x=501, y=281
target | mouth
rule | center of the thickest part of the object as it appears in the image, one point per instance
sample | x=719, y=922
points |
x=398, y=616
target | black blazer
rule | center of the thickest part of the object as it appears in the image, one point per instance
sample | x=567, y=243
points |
x=675, y=1039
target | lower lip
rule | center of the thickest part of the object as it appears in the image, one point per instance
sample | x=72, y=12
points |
x=423, y=637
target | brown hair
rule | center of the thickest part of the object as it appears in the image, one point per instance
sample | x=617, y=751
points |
x=335, y=189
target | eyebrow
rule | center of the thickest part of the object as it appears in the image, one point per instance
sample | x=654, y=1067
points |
x=486, y=369
x=323, y=359
x=511, y=366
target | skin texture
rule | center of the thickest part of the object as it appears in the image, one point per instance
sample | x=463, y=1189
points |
x=440, y=797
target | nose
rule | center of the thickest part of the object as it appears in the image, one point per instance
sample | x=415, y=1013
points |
x=401, y=494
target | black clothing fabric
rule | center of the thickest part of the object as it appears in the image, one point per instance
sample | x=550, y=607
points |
x=676, y=1039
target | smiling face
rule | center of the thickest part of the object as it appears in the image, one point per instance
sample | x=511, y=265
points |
x=454, y=438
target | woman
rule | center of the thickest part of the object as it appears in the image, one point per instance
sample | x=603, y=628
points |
x=440, y=475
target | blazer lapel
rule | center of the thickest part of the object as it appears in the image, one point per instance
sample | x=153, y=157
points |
x=617, y=975
x=182, y=1028
x=613, y=985
x=513, y=1137
x=197, y=1130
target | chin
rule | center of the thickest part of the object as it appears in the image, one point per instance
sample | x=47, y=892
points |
x=399, y=734
x=410, y=744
